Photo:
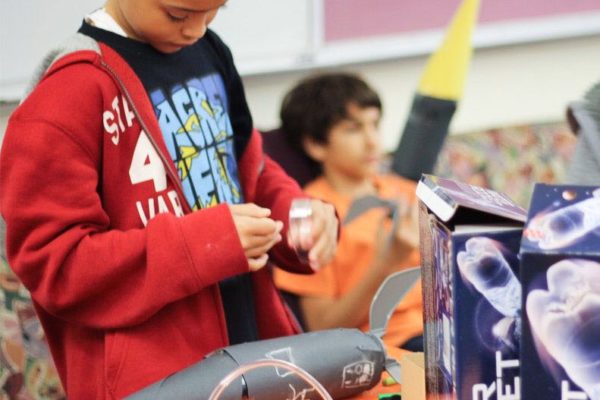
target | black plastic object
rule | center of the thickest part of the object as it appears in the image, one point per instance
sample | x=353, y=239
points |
x=423, y=136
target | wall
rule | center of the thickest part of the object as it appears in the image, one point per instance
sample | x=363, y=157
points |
x=528, y=81
x=506, y=85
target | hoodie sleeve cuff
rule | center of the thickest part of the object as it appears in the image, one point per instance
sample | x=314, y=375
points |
x=213, y=245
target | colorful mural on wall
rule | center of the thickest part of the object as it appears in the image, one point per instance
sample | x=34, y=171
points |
x=509, y=160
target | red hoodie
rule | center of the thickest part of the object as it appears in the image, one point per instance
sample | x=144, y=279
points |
x=123, y=275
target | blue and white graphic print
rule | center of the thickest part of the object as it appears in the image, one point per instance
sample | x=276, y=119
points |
x=197, y=130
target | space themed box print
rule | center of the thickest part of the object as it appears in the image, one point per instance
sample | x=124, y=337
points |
x=470, y=238
x=560, y=271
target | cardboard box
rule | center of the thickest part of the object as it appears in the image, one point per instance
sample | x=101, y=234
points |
x=560, y=271
x=413, y=376
x=470, y=239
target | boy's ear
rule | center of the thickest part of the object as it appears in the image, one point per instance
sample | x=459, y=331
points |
x=314, y=149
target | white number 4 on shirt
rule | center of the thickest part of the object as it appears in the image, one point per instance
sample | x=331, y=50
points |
x=146, y=164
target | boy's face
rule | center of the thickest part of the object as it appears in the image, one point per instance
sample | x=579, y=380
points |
x=167, y=25
x=352, y=149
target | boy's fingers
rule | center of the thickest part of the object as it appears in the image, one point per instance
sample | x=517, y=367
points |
x=264, y=247
x=322, y=252
x=255, y=242
x=407, y=228
x=325, y=240
x=315, y=234
x=382, y=232
x=249, y=210
x=323, y=219
x=403, y=205
x=257, y=263
x=263, y=226
x=258, y=226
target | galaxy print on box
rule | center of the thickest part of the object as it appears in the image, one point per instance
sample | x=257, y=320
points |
x=560, y=271
x=470, y=238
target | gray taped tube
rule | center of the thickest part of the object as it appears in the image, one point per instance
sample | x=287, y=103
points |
x=345, y=361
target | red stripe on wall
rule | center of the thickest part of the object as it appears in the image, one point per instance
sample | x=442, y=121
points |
x=353, y=19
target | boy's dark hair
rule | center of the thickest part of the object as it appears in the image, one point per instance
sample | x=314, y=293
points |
x=315, y=104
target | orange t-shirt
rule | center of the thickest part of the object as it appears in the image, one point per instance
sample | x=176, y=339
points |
x=355, y=253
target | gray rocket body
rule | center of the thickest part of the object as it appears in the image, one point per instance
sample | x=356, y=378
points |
x=345, y=362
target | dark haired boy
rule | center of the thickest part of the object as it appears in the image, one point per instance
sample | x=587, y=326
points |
x=334, y=120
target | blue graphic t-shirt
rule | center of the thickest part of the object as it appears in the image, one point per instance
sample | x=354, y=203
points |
x=196, y=127
x=201, y=108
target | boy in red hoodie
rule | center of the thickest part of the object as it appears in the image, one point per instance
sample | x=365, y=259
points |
x=140, y=209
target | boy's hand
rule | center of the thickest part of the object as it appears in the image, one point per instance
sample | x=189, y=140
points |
x=408, y=226
x=322, y=242
x=257, y=232
x=394, y=246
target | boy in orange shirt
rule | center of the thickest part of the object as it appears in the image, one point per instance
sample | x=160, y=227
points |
x=334, y=119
